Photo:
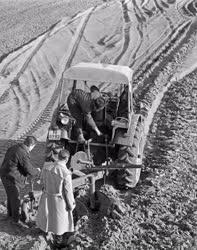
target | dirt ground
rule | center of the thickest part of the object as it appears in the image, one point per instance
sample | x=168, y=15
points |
x=159, y=40
x=23, y=20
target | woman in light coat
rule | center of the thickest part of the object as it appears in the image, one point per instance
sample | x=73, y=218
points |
x=57, y=200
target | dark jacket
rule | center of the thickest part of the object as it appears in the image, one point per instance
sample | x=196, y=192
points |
x=16, y=165
x=83, y=100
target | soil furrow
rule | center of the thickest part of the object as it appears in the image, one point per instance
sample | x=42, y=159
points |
x=166, y=71
x=160, y=213
x=35, y=85
x=141, y=21
x=152, y=60
x=171, y=151
x=162, y=11
x=127, y=25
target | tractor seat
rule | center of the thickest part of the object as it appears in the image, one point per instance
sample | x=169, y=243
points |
x=119, y=122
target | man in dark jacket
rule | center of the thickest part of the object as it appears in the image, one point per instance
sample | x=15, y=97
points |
x=15, y=168
x=81, y=104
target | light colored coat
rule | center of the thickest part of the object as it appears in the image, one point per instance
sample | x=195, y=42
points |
x=53, y=213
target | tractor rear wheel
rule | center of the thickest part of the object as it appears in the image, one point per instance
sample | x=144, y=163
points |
x=128, y=177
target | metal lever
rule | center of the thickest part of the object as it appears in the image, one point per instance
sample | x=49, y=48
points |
x=111, y=166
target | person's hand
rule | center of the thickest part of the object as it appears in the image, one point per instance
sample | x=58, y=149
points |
x=71, y=207
x=39, y=170
x=98, y=132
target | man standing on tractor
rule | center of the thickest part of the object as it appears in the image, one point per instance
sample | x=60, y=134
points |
x=81, y=104
x=57, y=200
x=15, y=168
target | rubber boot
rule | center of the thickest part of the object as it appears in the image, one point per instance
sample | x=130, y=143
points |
x=80, y=138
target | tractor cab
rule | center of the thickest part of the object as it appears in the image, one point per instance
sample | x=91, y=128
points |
x=120, y=127
x=115, y=86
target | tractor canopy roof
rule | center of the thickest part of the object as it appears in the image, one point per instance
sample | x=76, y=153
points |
x=98, y=72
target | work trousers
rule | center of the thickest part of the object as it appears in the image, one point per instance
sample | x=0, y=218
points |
x=13, y=198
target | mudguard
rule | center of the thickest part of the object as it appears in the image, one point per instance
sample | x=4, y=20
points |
x=126, y=136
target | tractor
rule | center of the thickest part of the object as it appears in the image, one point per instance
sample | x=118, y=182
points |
x=119, y=151
x=116, y=154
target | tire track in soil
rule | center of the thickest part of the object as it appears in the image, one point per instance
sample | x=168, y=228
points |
x=27, y=61
x=189, y=9
x=47, y=112
x=4, y=96
x=22, y=103
x=148, y=64
x=127, y=26
x=192, y=7
x=145, y=71
x=163, y=12
x=16, y=95
x=43, y=38
x=141, y=20
x=34, y=89
x=49, y=67
x=46, y=65
x=15, y=121
x=3, y=71
x=163, y=80
x=52, y=101
x=35, y=85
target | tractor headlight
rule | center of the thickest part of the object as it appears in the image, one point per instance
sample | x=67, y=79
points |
x=64, y=120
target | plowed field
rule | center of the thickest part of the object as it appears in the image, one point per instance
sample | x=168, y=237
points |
x=158, y=39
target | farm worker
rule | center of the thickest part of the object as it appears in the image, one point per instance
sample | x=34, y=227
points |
x=15, y=168
x=57, y=200
x=81, y=104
